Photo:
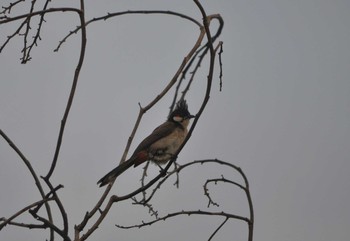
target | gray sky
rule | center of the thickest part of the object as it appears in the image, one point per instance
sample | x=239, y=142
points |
x=283, y=117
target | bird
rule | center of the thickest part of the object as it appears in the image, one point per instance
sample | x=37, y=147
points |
x=160, y=146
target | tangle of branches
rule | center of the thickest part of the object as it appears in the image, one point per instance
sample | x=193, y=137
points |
x=206, y=46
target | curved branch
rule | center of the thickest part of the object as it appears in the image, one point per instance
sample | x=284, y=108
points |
x=181, y=167
x=73, y=88
x=111, y=15
x=199, y=212
x=245, y=187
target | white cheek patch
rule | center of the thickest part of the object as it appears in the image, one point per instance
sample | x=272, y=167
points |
x=177, y=118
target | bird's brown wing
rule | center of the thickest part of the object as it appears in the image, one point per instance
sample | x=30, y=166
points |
x=161, y=131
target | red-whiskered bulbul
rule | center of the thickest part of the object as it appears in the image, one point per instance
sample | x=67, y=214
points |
x=160, y=145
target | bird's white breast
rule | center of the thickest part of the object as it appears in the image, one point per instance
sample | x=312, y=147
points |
x=169, y=144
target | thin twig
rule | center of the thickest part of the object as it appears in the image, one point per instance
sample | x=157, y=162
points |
x=9, y=220
x=10, y=6
x=206, y=193
x=220, y=62
x=218, y=228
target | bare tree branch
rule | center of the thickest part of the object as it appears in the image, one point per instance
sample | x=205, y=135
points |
x=41, y=12
x=111, y=15
x=189, y=213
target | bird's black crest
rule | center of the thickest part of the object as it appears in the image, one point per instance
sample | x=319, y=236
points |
x=180, y=110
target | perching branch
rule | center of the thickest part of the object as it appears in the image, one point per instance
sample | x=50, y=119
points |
x=245, y=187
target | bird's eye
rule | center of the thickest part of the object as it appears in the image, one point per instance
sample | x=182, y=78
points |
x=178, y=118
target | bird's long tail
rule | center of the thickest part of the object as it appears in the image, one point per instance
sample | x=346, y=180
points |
x=115, y=172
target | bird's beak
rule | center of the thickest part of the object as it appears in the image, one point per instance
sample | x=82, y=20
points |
x=191, y=116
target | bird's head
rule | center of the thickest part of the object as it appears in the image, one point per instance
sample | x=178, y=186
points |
x=180, y=113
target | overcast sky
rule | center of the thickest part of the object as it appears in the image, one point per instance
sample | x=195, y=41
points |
x=283, y=116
